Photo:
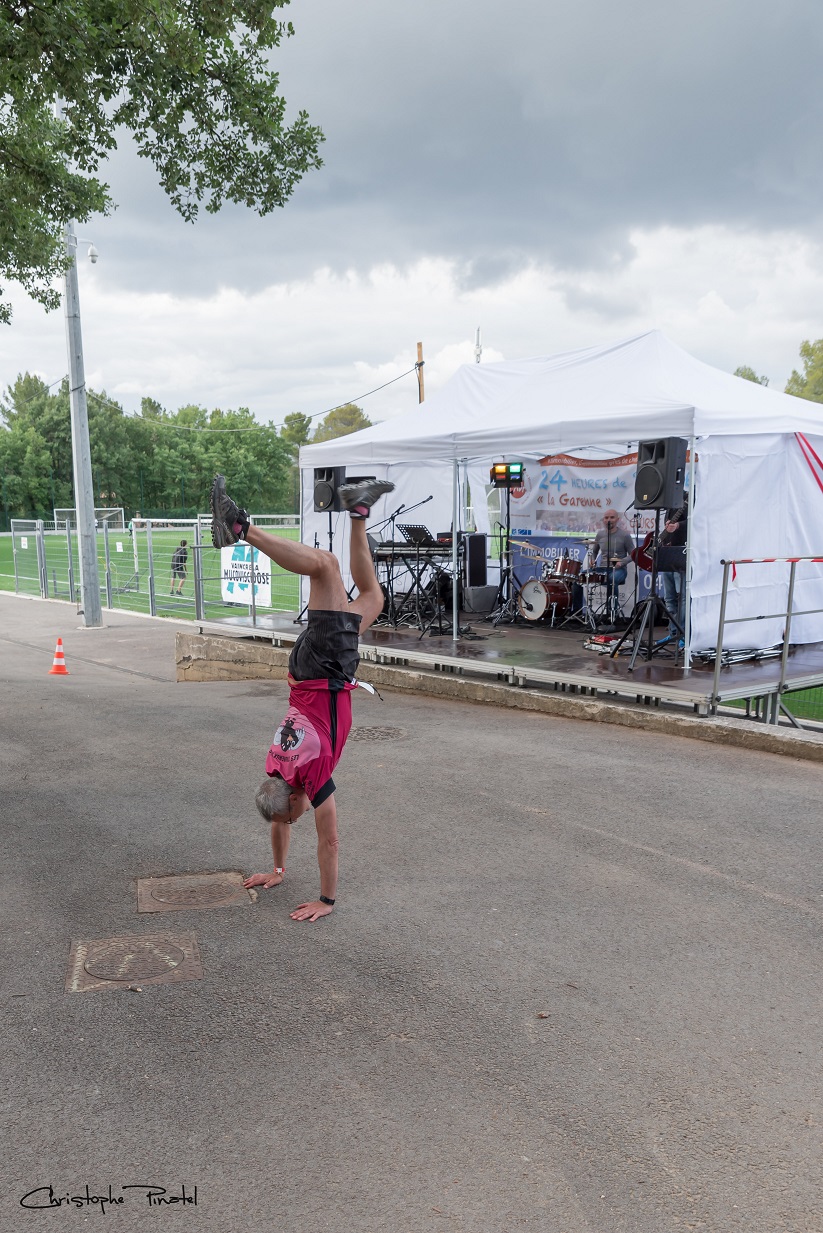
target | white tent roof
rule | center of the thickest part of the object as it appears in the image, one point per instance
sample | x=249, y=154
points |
x=639, y=388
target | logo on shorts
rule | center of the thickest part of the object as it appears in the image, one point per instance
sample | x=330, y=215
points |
x=288, y=736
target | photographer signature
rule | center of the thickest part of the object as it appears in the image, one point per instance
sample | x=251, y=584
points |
x=44, y=1198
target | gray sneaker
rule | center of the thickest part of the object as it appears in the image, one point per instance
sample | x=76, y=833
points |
x=228, y=521
x=359, y=498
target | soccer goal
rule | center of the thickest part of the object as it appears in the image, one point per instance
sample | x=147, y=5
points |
x=111, y=515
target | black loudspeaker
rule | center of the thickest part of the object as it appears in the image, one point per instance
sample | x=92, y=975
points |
x=326, y=482
x=661, y=473
x=474, y=560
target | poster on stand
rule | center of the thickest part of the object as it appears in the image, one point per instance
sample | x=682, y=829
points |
x=237, y=563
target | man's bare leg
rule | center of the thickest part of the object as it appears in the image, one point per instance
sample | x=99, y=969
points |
x=326, y=590
x=369, y=602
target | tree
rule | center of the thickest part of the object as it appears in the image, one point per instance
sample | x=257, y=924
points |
x=188, y=78
x=748, y=374
x=160, y=462
x=296, y=429
x=810, y=383
x=340, y=422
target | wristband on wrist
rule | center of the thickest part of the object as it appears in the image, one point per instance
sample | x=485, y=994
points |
x=325, y=899
x=277, y=869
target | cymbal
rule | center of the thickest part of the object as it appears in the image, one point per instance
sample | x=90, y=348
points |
x=521, y=543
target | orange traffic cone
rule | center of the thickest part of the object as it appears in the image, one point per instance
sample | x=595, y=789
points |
x=59, y=668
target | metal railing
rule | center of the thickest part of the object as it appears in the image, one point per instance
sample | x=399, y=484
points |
x=774, y=705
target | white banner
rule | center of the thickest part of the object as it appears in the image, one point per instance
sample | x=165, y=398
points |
x=236, y=575
x=562, y=493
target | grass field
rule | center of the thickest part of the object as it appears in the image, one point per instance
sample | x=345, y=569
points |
x=130, y=577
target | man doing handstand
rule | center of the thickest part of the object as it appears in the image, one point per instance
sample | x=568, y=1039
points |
x=308, y=744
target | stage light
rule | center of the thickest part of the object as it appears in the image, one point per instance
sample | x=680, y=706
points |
x=506, y=474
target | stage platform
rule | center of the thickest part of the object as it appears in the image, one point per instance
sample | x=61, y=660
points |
x=535, y=654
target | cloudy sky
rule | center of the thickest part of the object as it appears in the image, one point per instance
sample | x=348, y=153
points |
x=557, y=174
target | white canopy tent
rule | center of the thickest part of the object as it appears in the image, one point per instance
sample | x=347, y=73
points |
x=758, y=488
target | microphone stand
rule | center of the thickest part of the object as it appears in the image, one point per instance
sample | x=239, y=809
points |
x=390, y=605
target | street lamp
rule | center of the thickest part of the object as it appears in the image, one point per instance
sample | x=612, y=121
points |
x=81, y=452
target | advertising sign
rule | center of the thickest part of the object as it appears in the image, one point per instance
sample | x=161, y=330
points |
x=240, y=565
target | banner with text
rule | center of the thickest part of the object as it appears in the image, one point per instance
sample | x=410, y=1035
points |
x=237, y=563
x=562, y=494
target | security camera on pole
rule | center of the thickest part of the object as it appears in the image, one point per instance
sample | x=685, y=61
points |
x=83, y=491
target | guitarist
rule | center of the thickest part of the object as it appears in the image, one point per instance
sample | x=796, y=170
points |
x=674, y=581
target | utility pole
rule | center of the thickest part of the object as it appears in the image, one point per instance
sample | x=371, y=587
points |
x=81, y=451
x=478, y=347
x=419, y=367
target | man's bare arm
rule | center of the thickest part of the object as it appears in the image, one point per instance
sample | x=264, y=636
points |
x=280, y=835
x=325, y=819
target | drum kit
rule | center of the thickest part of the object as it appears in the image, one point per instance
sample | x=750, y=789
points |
x=552, y=595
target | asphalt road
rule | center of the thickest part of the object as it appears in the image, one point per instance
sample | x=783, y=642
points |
x=572, y=982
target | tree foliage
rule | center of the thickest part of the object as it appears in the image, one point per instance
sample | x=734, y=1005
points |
x=809, y=383
x=188, y=78
x=160, y=463
x=296, y=429
x=340, y=422
x=748, y=374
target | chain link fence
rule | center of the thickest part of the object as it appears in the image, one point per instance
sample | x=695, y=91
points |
x=163, y=567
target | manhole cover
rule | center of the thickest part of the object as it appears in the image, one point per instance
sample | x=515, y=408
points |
x=135, y=960
x=194, y=890
x=193, y=894
x=132, y=960
x=376, y=734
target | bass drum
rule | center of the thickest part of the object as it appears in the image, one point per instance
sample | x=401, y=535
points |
x=538, y=599
x=533, y=600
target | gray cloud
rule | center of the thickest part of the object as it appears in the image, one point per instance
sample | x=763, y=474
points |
x=502, y=137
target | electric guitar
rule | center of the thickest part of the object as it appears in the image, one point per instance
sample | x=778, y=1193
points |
x=641, y=555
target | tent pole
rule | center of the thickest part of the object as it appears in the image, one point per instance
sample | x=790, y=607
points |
x=455, y=540
x=687, y=623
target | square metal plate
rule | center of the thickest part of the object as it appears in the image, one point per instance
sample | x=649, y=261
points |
x=193, y=890
x=133, y=961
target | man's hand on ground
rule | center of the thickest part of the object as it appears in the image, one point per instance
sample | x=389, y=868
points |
x=266, y=880
x=311, y=911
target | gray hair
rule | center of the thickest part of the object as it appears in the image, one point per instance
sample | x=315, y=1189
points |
x=272, y=798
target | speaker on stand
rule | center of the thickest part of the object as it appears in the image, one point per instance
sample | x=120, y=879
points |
x=661, y=473
x=326, y=482
x=658, y=484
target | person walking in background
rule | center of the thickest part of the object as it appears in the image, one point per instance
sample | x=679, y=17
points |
x=179, y=567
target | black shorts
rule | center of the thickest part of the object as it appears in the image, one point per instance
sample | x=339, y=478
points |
x=327, y=648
